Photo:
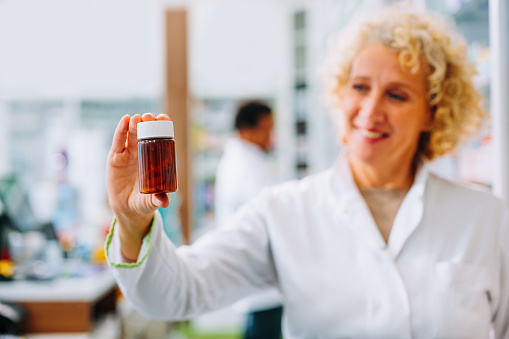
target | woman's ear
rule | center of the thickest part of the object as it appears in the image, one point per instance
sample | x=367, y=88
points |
x=343, y=141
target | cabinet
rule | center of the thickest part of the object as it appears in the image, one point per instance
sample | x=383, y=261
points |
x=73, y=305
x=212, y=124
x=300, y=91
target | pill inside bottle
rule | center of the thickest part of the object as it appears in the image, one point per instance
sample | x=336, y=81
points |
x=157, y=161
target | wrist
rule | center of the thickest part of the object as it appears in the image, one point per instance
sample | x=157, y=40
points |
x=131, y=232
x=134, y=225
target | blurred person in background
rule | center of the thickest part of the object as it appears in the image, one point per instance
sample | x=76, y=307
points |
x=243, y=170
x=377, y=246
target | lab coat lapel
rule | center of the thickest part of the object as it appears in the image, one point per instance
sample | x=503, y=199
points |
x=409, y=214
x=353, y=210
x=356, y=214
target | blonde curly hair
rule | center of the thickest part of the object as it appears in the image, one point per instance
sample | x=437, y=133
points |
x=455, y=103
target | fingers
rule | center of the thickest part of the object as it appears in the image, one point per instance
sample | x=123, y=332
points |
x=120, y=135
x=132, y=138
x=148, y=117
x=132, y=135
x=163, y=117
x=152, y=117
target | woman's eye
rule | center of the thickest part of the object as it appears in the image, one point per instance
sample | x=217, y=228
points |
x=397, y=97
x=358, y=87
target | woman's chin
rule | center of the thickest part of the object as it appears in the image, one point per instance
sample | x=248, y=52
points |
x=366, y=158
x=366, y=153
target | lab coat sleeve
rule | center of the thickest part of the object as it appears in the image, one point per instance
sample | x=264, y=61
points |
x=114, y=256
x=501, y=321
x=221, y=267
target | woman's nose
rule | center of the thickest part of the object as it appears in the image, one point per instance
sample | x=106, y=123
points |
x=372, y=107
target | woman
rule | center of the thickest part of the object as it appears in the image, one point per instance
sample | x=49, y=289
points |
x=375, y=247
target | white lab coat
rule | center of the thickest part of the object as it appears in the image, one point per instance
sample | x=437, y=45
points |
x=243, y=171
x=443, y=273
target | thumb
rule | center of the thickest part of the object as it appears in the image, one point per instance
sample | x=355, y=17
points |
x=161, y=200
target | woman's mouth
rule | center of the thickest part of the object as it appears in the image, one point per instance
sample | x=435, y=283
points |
x=372, y=134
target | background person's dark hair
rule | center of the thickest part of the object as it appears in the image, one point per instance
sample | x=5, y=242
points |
x=249, y=114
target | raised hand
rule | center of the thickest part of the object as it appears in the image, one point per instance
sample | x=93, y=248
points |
x=134, y=211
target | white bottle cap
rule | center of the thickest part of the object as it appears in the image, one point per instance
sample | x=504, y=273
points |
x=155, y=129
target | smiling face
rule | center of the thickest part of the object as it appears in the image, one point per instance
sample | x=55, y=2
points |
x=384, y=109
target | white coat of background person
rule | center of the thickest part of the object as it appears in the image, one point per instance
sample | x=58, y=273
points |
x=243, y=170
x=433, y=263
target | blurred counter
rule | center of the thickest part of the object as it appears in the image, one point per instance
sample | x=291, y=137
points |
x=63, y=305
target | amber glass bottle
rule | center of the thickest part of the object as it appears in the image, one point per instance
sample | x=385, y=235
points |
x=157, y=162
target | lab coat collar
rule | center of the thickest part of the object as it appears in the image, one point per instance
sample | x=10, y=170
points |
x=355, y=211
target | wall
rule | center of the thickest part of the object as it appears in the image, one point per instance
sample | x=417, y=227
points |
x=93, y=48
x=234, y=47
